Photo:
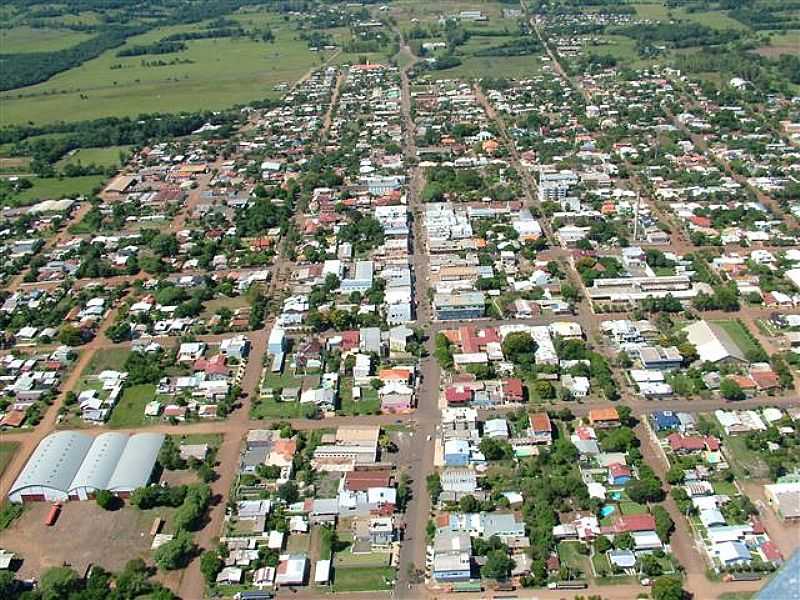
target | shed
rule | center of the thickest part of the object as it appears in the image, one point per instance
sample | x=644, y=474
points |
x=98, y=465
x=135, y=465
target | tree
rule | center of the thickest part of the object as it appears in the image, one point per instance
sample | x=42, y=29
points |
x=495, y=449
x=498, y=565
x=544, y=389
x=288, y=492
x=664, y=523
x=602, y=544
x=58, y=582
x=675, y=475
x=175, y=554
x=624, y=541
x=468, y=504
x=519, y=348
x=620, y=439
x=646, y=489
x=210, y=565
x=70, y=336
x=105, y=499
x=650, y=565
x=434, y=486
x=731, y=390
x=8, y=584
x=668, y=588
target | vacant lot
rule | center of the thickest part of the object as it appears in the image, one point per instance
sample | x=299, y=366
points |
x=745, y=463
x=362, y=579
x=7, y=451
x=84, y=534
x=55, y=188
x=129, y=411
x=109, y=358
x=103, y=157
x=210, y=74
x=739, y=335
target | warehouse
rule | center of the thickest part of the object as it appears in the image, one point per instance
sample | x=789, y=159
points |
x=51, y=468
x=135, y=466
x=98, y=465
x=70, y=465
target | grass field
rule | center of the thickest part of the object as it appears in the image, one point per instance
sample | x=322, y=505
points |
x=745, y=463
x=222, y=73
x=103, y=157
x=569, y=555
x=655, y=11
x=632, y=508
x=55, y=188
x=27, y=39
x=366, y=579
x=367, y=405
x=739, y=335
x=109, y=358
x=129, y=411
x=7, y=451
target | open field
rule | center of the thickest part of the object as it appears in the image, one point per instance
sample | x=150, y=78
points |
x=110, y=358
x=739, y=335
x=785, y=42
x=83, y=534
x=745, y=463
x=55, y=188
x=103, y=157
x=210, y=74
x=7, y=451
x=27, y=39
x=129, y=411
x=364, y=579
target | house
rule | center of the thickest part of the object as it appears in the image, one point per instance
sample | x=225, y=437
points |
x=459, y=306
x=577, y=385
x=452, y=557
x=732, y=553
x=513, y=391
x=630, y=524
x=456, y=453
x=540, y=429
x=191, y=351
x=619, y=474
x=661, y=359
x=784, y=499
x=623, y=559
x=292, y=569
x=665, y=420
x=604, y=418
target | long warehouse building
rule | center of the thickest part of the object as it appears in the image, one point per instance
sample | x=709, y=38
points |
x=69, y=465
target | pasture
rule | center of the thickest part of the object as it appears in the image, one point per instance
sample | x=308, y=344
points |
x=211, y=74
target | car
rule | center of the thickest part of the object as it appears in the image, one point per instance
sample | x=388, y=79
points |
x=430, y=437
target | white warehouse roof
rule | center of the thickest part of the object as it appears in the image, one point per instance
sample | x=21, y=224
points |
x=52, y=465
x=99, y=463
x=136, y=463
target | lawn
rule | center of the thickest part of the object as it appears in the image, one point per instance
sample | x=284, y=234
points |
x=745, y=463
x=7, y=451
x=347, y=559
x=103, y=157
x=367, y=405
x=55, y=188
x=632, y=508
x=298, y=542
x=211, y=74
x=110, y=358
x=739, y=335
x=569, y=555
x=129, y=411
x=270, y=409
x=724, y=488
x=366, y=579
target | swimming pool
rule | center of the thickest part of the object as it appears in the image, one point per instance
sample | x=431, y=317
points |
x=607, y=510
x=616, y=495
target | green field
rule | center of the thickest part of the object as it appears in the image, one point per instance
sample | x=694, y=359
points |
x=367, y=579
x=129, y=411
x=55, y=188
x=367, y=405
x=27, y=39
x=7, y=451
x=745, y=463
x=109, y=358
x=222, y=73
x=739, y=335
x=103, y=157
x=655, y=11
x=632, y=508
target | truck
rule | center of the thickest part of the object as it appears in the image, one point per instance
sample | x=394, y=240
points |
x=567, y=585
x=52, y=516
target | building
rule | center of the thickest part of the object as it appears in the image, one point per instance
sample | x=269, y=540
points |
x=459, y=306
x=604, y=417
x=69, y=465
x=713, y=343
x=452, y=557
x=661, y=359
x=784, y=499
x=292, y=569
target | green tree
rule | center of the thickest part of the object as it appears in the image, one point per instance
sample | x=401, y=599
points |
x=519, y=348
x=57, y=583
x=210, y=565
x=668, y=588
x=731, y=390
x=664, y=523
x=288, y=492
x=495, y=449
x=176, y=553
x=498, y=565
x=544, y=389
x=105, y=499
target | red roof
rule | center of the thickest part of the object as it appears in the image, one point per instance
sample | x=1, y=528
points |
x=457, y=395
x=700, y=221
x=679, y=442
x=618, y=470
x=629, y=523
x=770, y=551
x=540, y=422
x=350, y=339
x=765, y=380
x=712, y=443
x=512, y=388
x=13, y=418
x=360, y=481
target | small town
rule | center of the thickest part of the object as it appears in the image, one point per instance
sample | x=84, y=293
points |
x=483, y=300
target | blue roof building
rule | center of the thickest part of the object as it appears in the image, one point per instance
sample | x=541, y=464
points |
x=665, y=420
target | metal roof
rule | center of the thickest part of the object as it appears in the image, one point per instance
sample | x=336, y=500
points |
x=100, y=462
x=55, y=461
x=136, y=462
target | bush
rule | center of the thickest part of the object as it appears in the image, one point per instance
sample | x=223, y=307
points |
x=105, y=500
x=176, y=553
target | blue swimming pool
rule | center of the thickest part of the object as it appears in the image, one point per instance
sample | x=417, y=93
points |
x=616, y=495
x=607, y=510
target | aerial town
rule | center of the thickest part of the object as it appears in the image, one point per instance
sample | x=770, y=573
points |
x=492, y=300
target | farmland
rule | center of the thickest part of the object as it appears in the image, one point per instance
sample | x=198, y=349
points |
x=212, y=73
